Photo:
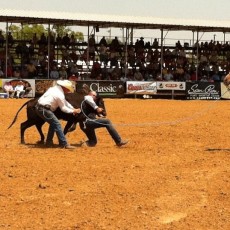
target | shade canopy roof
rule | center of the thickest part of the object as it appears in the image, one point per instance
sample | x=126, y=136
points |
x=104, y=21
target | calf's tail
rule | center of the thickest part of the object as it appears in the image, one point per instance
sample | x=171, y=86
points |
x=16, y=116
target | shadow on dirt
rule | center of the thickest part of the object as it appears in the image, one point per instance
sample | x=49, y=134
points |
x=215, y=150
x=53, y=146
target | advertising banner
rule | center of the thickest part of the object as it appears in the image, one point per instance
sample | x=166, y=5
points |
x=141, y=87
x=171, y=85
x=104, y=88
x=225, y=92
x=42, y=85
x=203, y=90
x=29, y=85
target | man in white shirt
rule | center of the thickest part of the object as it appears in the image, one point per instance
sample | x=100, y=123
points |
x=19, y=89
x=92, y=123
x=53, y=98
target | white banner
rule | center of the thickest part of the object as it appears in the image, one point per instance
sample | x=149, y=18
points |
x=171, y=85
x=141, y=87
x=225, y=92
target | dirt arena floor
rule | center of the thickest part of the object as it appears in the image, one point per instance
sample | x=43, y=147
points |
x=174, y=173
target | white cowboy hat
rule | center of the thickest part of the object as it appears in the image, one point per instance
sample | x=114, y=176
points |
x=66, y=84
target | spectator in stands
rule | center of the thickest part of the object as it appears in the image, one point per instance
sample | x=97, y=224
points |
x=123, y=78
x=155, y=43
x=142, y=68
x=92, y=51
x=179, y=73
x=51, y=39
x=59, y=40
x=35, y=39
x=8, y=88
x=32, y=71
x=85, y=56
x=175, y=52
x=116, y=73
x=129, y=75
x=216, y=77
x=17, y=73
x=92, y=47
x=1, y=39
x=213, y=59
x=24, y=72
x=167, y=56
x=141, y=43
x=113, y=58
x=211, y=45
x=65, y=55
x=10, y=39
x=203, y=59
x=148, y=77
x=73, y=77
x=103, y=55
x=103, y=41
x=115, y=45
x=138, y=76
x=66, y=41
x=43, y=39
x=187, y=76
x=96, y=69
x=92, y=41
x=181, y=61
x=19, y=90
x=73, y=56
x=194, y=76
x=62, y=73
x=204, y=78
x=168, y=76
x=182, y=53
x=149, y=55
x=159, y=77
x=131, y=56
x=1, y=72
x=178, y=45
x=225, y=47
x=31, y=50
x=72, y=40
x=54, y=74
x=156, y=55
x=9, y=71
x=74, y=69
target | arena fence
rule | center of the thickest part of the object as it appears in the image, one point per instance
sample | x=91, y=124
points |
x=133, y=89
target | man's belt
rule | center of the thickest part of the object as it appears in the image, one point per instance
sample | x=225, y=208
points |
x=47, y=107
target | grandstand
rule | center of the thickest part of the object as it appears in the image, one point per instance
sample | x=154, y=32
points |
x=84, y=55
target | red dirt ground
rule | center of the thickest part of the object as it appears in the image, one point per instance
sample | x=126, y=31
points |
x=174, y=174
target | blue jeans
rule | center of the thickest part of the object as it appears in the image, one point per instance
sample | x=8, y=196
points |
x=89, y=129
x=55, y=126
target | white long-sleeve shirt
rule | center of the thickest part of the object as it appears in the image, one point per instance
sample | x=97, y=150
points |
x=19, y=88
x=55, y=97
x=90, y=101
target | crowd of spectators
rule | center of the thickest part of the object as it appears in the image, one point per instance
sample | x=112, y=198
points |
x=138, y=61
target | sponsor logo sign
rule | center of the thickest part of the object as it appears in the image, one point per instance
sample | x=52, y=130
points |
x=225, y=92
x=203, y=90
x=171, y=85
x=141, y=87
x=29, y=84
x=104, y=88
